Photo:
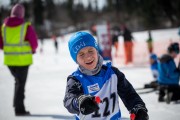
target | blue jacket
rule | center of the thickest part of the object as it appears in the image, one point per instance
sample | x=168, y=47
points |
x=154, y=66
x=168, y=72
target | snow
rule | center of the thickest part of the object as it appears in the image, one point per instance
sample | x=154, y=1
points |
x=46, y=84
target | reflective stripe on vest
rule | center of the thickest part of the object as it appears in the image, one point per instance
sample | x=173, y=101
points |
x=17, y=51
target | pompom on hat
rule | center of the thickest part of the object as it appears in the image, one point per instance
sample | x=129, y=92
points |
x=17, y=11
x=80, y=40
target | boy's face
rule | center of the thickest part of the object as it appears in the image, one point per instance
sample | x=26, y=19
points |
x=87, y=58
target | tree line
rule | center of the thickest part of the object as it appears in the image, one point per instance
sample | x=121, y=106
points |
x=57, y=16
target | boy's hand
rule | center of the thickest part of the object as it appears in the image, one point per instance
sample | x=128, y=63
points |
x=87, y=104
x=140, y=113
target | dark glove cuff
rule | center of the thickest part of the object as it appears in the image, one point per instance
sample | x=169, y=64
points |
x=87, y=104
x=75, y=104
x=137, y=108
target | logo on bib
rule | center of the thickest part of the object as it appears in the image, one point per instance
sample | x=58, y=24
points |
x=93, y=88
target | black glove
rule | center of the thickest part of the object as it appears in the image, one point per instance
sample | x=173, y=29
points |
x=140, y=112
x=87, y=104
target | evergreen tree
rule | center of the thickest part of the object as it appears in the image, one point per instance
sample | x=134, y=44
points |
x=50, y=9
x=38, y=12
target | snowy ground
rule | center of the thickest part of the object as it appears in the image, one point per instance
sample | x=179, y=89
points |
x=46, y=84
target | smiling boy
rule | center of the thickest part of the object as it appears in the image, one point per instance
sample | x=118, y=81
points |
x=94, y=79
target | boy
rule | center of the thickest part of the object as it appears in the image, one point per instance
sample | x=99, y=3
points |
x=154, y=69
x=92, y=79
x=169, y=75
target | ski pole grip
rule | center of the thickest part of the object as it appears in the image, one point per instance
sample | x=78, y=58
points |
x=132, y=116
x=97, y=99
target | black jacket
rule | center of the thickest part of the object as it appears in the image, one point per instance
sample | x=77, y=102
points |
x=127, y=35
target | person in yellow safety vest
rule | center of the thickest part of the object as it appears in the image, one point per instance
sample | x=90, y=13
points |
x=18, y=40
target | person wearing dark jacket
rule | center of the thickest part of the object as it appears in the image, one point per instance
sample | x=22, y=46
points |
x=93, y=90
x=18, y=41
x=115, y=41
x=128, y=44
x=150, y=42
x=169, y=75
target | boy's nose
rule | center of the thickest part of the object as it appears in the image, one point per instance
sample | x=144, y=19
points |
x=88, y=56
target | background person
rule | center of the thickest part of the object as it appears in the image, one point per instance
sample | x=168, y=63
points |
x=169, y=75
x=154, y=69
x=150, y=42
x=18, y=41
x=54, y=38
x=128, y=44
x=115, y=42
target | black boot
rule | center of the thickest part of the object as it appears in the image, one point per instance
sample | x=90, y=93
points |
x=21, y=112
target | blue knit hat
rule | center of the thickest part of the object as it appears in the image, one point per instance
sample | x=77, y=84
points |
x=153, y=56
x=78, y=41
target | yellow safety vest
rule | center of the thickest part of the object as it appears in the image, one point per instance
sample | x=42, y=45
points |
x=17, y=51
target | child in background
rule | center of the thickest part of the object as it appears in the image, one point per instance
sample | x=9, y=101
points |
x=154, y=69
x=169, y=75
x=94, y=79
x=154, y=65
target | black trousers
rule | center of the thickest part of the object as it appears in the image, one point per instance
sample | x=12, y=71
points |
x=175, y=89
x=20, y=74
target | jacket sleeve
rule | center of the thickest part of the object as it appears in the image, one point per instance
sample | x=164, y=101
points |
x=168, y=72
x=32, y=38
x=1, y=40
x=126, y=92
x=73, y=90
